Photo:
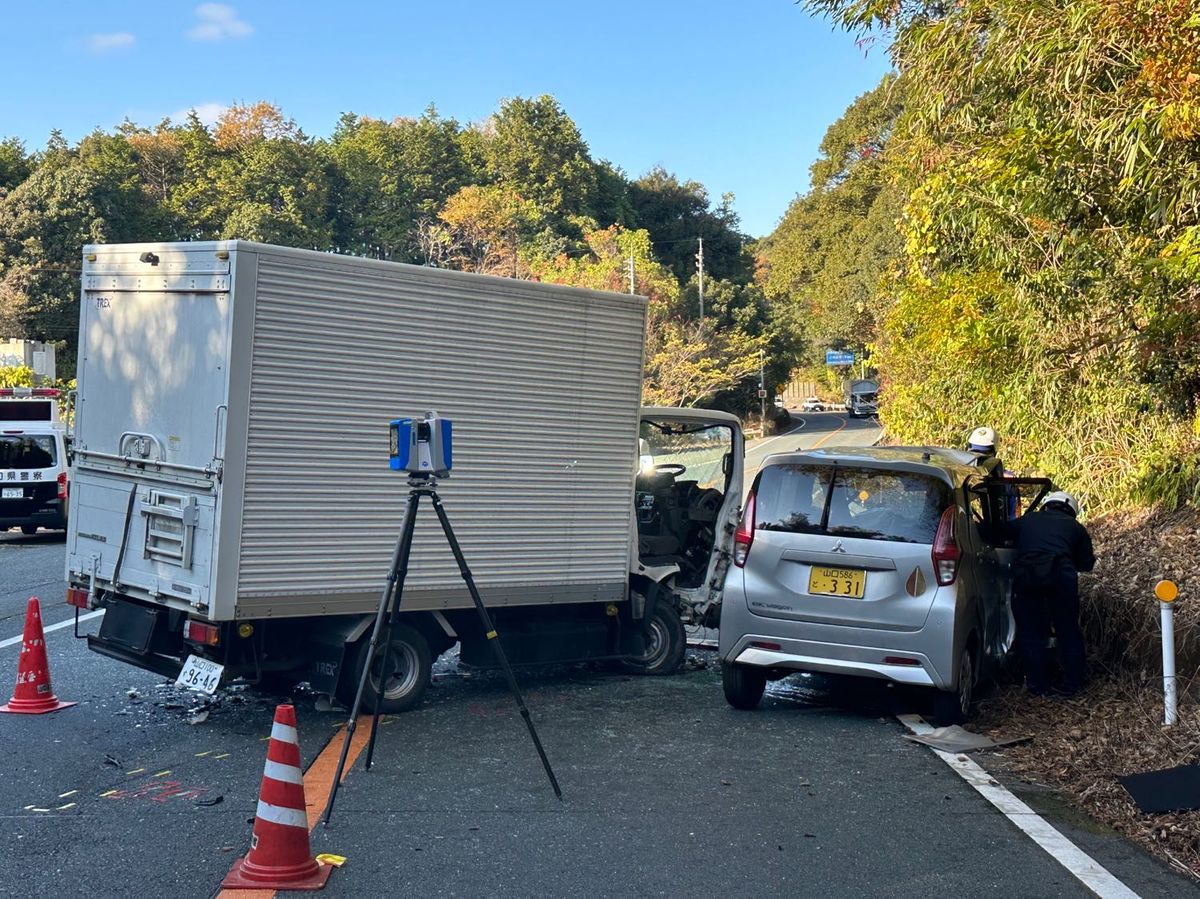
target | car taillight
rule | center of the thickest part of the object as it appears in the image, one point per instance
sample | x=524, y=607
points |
x=62, y=486
x=202, y=632
x=946, y=554
x=745, y=534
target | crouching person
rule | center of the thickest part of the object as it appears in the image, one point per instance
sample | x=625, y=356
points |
x=1052, y=548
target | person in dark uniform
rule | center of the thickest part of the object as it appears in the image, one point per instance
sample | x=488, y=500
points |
x=1052, y=548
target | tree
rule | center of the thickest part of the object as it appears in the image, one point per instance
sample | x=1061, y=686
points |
x=678, y=213
x=15, y=165
x=481, y=229
x=830, y=253
x=533, y=147
x=1051, y=166
x=388, y=176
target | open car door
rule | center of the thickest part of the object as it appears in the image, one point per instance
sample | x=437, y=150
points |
x=996, y=502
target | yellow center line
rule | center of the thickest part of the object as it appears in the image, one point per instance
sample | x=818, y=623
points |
x=818, y=444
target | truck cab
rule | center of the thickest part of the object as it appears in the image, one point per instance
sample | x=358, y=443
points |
x=33, y=460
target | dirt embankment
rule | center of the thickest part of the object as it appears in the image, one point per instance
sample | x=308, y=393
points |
x=1115, y=728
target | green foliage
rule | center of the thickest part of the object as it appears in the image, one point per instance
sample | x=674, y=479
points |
x=517, y=195
x=1049, y=155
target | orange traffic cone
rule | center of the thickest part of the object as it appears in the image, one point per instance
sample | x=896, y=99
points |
x=33, y=695
x=279, y=856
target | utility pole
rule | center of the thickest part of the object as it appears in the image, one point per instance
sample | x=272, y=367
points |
x=762, y=390
x=632, y=288
x=700, y=271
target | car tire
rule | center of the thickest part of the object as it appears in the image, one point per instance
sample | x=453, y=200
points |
x=409, y=661
x=743, y=684
x=954, y=706
x=666, y=644
x=29, y=529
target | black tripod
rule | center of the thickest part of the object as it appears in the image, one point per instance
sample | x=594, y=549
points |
x=388, y=614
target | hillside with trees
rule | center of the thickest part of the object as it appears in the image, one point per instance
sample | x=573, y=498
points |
x=517, y=195
x=1010, y=225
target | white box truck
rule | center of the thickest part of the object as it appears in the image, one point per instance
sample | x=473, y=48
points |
x=232, y=499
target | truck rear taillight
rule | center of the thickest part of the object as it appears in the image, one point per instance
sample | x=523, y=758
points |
x=946, y=554
x=78, y=598
x=744, y=537
x=26, y=392
x=62, y=486
x=203, y=633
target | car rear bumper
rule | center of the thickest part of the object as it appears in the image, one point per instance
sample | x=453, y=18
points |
x=20, y=512
x=835, y=658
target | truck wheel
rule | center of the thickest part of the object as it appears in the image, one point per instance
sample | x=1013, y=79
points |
x=743, y=685
x=29, y=529
x=954, y=706
x=666, y=643
x=403, y=667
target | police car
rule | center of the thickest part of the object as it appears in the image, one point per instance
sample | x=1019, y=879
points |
x=33, y=460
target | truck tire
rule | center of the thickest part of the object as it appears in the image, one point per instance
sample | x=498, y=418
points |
x=744, y=685
x=408, y=661
x=666, y=643
x=29, y=529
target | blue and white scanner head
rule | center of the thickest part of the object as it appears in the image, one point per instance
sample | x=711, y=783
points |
x=421, y=446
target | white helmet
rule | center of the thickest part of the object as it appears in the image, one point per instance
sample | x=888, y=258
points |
x=1062, y=498
x=982, y=440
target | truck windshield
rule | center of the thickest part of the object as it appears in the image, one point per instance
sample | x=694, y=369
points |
x=850, y=502
x=701, y=450
x=27, y=451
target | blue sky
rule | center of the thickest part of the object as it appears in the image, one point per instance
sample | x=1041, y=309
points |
x=736, y=94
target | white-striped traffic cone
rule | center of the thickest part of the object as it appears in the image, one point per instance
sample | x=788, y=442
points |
x=280, y=857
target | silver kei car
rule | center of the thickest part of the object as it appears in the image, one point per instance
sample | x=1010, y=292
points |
x=876, y=562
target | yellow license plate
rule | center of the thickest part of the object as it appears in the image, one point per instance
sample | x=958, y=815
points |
x=849, y=582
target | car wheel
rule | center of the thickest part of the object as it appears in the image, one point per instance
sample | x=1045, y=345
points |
x=744, y=685
x=29, y=529
x=666, y=643
x=403, y=669
x=954, y=706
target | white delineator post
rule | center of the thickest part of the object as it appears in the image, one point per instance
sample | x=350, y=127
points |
x=1166, y=592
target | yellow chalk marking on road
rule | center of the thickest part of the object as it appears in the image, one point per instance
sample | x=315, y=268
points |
x=163, y=773
x=66, y=794
x=223, y=755
x=136, y=771
x=108, y=793
x=39, y=809
x=201, y=755
x=29, y=808
x=63, y=808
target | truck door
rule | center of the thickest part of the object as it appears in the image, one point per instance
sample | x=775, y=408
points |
x=149, y=420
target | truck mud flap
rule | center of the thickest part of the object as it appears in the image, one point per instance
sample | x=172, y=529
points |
x=127, y=634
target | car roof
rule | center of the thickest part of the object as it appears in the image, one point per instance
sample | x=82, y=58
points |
x=951, y=465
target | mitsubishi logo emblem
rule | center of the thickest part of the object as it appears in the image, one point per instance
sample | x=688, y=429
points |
x=838, y=547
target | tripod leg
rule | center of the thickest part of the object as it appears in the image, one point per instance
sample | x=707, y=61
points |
x=490, y=631
x=406, y=539
x=352, y=723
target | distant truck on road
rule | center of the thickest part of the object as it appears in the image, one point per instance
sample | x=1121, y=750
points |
x=862, y=398
x=233, y=507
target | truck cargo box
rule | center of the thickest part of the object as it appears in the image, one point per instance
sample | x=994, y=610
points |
x=233, y=403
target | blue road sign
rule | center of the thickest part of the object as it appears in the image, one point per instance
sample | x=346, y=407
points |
x=839, y=357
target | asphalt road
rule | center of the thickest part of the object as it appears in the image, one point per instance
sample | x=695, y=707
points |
x=812, y=431
x=667, y=791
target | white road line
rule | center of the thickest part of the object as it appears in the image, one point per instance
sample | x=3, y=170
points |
x=1082, y=866
x=13, y=641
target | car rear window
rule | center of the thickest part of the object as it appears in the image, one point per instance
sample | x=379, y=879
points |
x=27, y=451
x=850, y=502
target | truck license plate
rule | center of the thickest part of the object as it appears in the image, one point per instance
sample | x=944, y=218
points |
x=12, y=492
x=200, y=674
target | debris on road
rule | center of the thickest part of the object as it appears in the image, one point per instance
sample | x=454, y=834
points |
x=1170, y=790
x=958, y=739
